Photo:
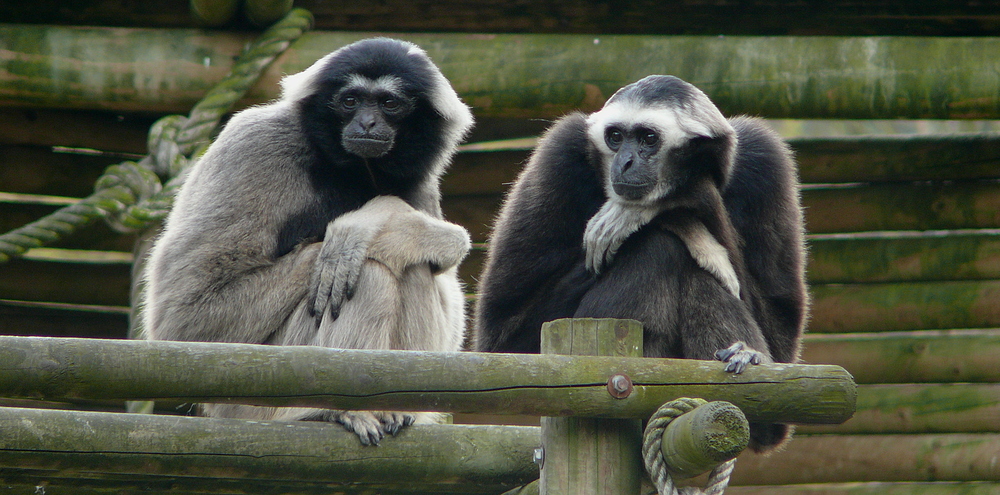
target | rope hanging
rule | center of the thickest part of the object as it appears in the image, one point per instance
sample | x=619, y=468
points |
x=652, y=456
x=130, y=196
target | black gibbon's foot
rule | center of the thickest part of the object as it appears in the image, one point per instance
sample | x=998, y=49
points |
x=738, y=356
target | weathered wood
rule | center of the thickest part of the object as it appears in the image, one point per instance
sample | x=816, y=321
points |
x=875, y=488
x=905, y=306
x=908, y=357
x=910, y=408
x=38, y=170
x=110, y=131
x=584, y=456
x=813, y=77
x=889, y=257
x=843, y=458
x=917, y=206
x=111, y=446
x=474, y=212
x=409, y=380
x=698, y=441
x=101, y=283
x=61, y=320
x=839, y=17
x=821, y=160
x=897, y=158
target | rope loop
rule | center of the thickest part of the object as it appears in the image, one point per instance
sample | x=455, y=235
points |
x=652, y=456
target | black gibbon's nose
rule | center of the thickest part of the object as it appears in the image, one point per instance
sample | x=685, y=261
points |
x=367, y=122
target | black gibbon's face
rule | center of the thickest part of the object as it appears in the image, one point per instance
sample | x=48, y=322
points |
x=633, y=167
x=371, y=111
x=643, y=147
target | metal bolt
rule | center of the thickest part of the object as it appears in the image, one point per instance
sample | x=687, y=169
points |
x=539, y=457
x=620, y=386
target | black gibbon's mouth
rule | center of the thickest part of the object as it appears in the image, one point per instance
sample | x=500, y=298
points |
x=630, y=190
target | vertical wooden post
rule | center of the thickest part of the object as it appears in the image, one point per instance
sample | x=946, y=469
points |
x=585, y=456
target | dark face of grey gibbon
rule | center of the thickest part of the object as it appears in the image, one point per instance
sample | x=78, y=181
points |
x=373, y=113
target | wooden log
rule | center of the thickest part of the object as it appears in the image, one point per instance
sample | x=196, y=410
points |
x=897, y=158
x=908, y=357
x=698, y=441
x=62, y=320
x=38, y=170
x=586, y=456
x=865, y=458
x=114, y=446
x=839, y=17
x=99, y=283
x=109, y=131
x=940, y=488
x=905, y=306
x=409, y=380
x=890, y=257
x=810, y=77
x=912, y=408
x=917, y=206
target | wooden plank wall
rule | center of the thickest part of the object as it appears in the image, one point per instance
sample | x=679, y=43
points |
x=904, y=229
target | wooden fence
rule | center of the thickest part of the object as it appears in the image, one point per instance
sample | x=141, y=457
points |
x=904, y=240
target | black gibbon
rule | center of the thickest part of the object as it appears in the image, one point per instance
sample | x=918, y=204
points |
x=659, y=209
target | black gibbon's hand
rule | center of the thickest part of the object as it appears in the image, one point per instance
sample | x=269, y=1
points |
x=608, y=229
x=738, y=356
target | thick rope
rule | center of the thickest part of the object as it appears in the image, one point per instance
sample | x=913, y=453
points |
x=130, y=196
x=652, y=456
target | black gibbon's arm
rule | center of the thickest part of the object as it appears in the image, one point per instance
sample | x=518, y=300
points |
x=316, y=220
x=534, y=269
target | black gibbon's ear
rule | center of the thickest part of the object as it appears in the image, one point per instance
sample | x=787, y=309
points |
x=710, y=155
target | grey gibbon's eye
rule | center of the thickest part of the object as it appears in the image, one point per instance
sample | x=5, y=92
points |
x=391, y=104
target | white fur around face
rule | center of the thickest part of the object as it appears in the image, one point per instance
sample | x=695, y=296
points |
x=389, y=84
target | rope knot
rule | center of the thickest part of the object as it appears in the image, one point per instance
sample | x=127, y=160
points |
x=167, y=156
x=121, y=192
x=652, y=453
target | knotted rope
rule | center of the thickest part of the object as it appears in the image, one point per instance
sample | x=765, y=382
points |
x=130, y=196
x=652, y=456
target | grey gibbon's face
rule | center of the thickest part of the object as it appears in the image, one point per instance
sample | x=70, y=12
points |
x=372, y=111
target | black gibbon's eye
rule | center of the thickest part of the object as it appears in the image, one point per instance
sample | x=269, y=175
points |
x=613, y=137
x=649, y=138
x=349, y=102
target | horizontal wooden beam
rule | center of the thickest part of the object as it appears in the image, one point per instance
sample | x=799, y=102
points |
x=807, y=77
x=865, y=458
x=893, y=257
x=897, y=157
x=838, y=17
x=872, y=488
x=921, y=408
x=410, y=380
x=62, y=320
x=218, y=455
x=941, y=356
x=878, y=307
